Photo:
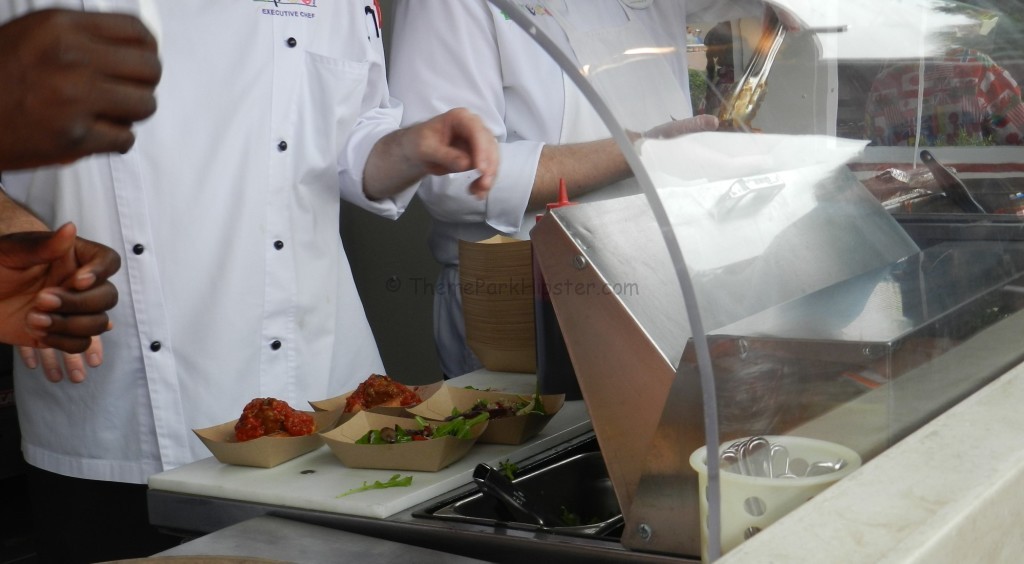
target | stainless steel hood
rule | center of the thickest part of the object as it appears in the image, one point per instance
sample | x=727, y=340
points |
x=777, y=369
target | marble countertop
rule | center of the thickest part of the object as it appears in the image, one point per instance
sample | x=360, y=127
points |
x=952, y=491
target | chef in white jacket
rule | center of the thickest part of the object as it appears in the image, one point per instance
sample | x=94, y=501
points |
x=234, y=283
x=468, y=53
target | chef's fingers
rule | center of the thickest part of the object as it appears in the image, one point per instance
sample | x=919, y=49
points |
x=72, y=362
x=98, y=262
x=101, y=136
x=94, y=354
x=117, y=28
x=73, y=303
x=123, y=101
x=483, y=149
x=29, y=357
x=116, y=105
x=74, y=367
x=481, y=186
x=23, y=250
x=73, y=333
x=56, y=365
x=471, y=146
x=52, y=367
x=139, y=64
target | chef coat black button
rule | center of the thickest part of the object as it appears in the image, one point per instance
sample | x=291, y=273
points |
x=138, y=249
x=282, y=146
x=279, y=245
x=154, y=346
x=275, y=345
x=292, y=42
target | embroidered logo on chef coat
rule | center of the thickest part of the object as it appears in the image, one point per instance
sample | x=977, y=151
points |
x=534, y=8
x=282, y=8
x=308, y=3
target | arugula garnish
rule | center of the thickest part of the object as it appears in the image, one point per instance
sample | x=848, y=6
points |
x=508, y=468
x=396, y=481
x=460, y=427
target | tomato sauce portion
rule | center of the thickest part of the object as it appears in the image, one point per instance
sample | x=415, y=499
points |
x=269, y=416
x=379, y=390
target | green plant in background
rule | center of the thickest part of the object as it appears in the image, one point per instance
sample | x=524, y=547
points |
x=964, y=139
x=698, y=90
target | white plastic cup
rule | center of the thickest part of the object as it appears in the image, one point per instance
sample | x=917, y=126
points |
x=751, y=503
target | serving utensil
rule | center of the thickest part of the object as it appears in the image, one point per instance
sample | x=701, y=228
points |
x=493, y=483
x=758, y=457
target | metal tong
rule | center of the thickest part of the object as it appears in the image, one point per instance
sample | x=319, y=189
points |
x=493, y=483
x=951, y=185
x=738, y=112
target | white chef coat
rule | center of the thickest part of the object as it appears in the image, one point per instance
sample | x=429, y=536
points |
x=469, y=54
x=234, y=282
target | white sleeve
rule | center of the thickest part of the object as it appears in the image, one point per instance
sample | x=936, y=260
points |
x=433, y=72
x=381, y=115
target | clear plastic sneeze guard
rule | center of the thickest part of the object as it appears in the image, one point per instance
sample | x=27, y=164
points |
x=792, y=292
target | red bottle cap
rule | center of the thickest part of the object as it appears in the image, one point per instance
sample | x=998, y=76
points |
x=563, y=198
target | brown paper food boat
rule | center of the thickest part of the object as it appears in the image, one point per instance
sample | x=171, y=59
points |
x=264, y=452
x=506, y=430
x=425, y=456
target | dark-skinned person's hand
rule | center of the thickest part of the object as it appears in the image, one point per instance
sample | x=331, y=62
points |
x=73, y=84
x=54, y=289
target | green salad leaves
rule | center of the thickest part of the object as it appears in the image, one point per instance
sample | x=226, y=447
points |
x=459, y=427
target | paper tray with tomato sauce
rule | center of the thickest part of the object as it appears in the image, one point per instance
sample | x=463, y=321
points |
x=264, y=452
x=425, y=456
x=513, y=430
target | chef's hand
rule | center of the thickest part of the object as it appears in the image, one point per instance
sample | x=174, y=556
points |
x=73, y=83
x=455, y=141
x=704, y=122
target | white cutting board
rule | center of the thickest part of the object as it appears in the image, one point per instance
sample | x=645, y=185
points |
x=313, y=481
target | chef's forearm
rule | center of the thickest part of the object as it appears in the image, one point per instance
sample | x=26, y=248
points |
x=584, y=166
x=389, y=169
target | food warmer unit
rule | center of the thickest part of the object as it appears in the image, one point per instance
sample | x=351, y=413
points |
x=787, y=276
